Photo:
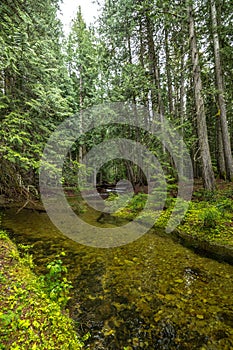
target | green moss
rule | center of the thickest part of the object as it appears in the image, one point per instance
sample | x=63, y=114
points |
x=210, y=221
x=210, y=215
x=29, y=319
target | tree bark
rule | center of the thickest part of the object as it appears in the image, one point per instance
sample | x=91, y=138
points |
x=221, y=99
x=207, y=170
x=81, y=113
x=154, y=69
x=156, y=95
x=168, y=72
x=220, y=152
x=182, y=91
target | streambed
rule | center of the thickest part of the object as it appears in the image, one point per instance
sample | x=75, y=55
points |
x=149, y=294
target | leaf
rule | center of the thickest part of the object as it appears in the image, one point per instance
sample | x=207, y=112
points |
x=200, y=317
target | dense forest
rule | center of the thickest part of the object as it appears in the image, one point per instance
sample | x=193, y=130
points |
x=159, y=74
x=174, y=58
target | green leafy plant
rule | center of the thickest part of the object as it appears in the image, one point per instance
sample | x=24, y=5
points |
x=205, y=195
x=26, y=257
x=56, y=284
x=129, y=207
x=137, y=203
x=210, y=217
x=225, y=205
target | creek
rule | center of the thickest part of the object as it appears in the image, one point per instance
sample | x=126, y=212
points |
x=152, y=293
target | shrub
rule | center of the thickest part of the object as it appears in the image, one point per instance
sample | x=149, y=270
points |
x=56, y=284
x=226, y=205
x=210, y=217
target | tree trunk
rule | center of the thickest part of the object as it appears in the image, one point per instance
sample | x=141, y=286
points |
x=142, y=51
x=181, y=108
x=221, y=99
x=220, y=152
x=81, y=114
x=154, y=69
x=156, y=95
x=168, y=72
x=207, y=170
x=182, y=91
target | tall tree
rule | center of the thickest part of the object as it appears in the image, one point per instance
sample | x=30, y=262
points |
x=83, y=69
x=221, y=96
x=33, y=95
x=207, y=170
x=83, y=62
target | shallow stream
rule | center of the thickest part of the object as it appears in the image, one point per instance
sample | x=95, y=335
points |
x=149, y=294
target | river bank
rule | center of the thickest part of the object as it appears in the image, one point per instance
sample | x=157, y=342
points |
x=151, y=293
x=29, y=319
x=208, y=223
x=207, y=227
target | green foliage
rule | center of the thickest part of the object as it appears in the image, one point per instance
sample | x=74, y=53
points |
x=128, y=207
x=29, y=319
x=32, y=96
x=74, y=174
x=138, y=202
x=56, y=284
x=210, y=221
x=210, y=217
x=205, y=195
x=82, y=63
x=224, y=206
x=163, y=219
x=26, y=257
x=135, y=55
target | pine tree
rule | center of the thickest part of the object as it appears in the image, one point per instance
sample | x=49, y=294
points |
x=221, y=96
x=207, y=170
x=32, y=97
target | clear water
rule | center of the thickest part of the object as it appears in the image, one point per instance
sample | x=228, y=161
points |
x=150, y=294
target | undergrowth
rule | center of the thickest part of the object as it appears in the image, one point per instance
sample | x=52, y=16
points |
x=33, y=314
x=210, y=220
x=209, y=215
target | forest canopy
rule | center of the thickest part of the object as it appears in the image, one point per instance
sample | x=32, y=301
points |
x=174, y=58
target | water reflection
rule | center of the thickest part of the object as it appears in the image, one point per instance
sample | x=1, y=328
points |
x=150, y=294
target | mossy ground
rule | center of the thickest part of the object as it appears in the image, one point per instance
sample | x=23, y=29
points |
x=209, y=217
x=29, y=319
